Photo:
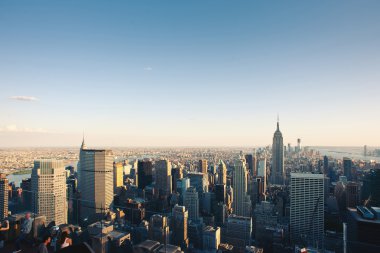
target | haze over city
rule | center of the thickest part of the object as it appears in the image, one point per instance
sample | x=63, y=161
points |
x=203, y=73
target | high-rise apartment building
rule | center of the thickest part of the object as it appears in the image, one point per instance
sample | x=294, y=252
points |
x=178, y=226
x=191, y=202
x=241, y=202
x=163, y=177
x=49, y=190
x=277, y=172
x=306, y=208
x=95, y=181
x=3, y=197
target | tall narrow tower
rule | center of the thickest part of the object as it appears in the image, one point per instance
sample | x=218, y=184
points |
x=222, y=173
x=277, y=172
x=3, y=197
x=241, y=201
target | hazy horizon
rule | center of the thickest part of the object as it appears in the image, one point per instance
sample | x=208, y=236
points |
x=199, y=73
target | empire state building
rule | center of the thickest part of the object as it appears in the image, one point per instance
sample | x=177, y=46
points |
x=277, y=172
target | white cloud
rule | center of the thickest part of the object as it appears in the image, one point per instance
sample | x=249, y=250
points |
x=15, y=129
x=24, y=98
x=148, y=68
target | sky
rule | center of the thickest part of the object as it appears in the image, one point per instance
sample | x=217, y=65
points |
x=189, y=73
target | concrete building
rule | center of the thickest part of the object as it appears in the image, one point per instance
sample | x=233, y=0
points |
x=347, y=168
x=363, y=229
x=182, y=185
x=202, y=166
x=95, y=181
x=3, y=197
x=241, y=201
x=163, y=177
x=177, y=173
x=105, y=239
x=265, y=222
x=211, y=238
x=49, y=190
x=222, y=173
x=178, y=226
x=352, y=194
x=199, y=181
x=307, y=208
x=144, y=173
x=262, y=171
x=159, y=229
x=191, y=202
x=118, y=175
x=238, y=231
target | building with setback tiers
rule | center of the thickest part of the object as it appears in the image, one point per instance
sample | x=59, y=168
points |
x=277, y=172
x=241, y=201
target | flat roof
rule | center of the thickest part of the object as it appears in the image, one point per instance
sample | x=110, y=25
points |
x=358, y=217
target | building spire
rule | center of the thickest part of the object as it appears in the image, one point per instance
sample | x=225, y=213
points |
x=83, y=146
x=278, y=122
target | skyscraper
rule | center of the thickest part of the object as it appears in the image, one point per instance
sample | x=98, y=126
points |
x=238, y=231
x=95, y=181
x=159, y=229
x=241, y=202
x=262, y=171
x=306, y=208
x=326, y=166
x=3, y=197
x=177, y=173
x=347, y=168
x=144, y=173
x=118, y=175
x=178, y=226
x=211, y=238
x=191, y=202
x=222, y=173
x=352, y=194
x=163, y=177
x=250, y=160
x=277, y=172
x=203, y=166
x=49, y=190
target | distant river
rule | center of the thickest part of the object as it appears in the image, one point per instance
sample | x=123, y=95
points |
x=17, y=178
x=355, y=153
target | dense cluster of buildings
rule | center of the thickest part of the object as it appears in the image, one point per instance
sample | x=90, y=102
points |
x=272, y=199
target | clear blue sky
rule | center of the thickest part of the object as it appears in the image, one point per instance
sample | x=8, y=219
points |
x=135, y=73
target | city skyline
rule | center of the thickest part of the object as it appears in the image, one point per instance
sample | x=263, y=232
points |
x=189, y=74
